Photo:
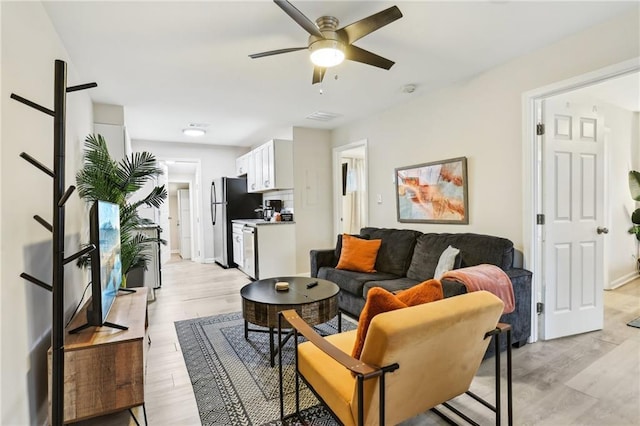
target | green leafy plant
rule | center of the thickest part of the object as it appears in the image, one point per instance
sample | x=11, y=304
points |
x=102, y=178
x=634, y=187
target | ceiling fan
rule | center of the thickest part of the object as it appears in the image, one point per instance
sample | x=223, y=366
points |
x=329, y=46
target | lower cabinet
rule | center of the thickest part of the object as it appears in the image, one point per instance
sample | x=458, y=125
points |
x=275, y=250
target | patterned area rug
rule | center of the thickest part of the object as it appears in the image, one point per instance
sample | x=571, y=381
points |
x=634, y=323
x=231, y=377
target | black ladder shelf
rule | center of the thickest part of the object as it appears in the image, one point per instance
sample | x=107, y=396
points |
x=60, y=197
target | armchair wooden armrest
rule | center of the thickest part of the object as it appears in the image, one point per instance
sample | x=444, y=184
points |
x=355, y=365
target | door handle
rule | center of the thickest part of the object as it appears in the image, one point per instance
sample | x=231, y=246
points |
x=602, y=230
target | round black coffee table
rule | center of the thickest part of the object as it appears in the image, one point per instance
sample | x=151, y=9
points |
x=261, y=303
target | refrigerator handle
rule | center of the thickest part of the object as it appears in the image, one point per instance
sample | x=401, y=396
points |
x=214, y=203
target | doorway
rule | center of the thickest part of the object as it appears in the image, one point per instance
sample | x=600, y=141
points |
x=540, y=238
x=185, y=236
x=350, y=189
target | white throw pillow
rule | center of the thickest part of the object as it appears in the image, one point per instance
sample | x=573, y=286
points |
x=446, y=261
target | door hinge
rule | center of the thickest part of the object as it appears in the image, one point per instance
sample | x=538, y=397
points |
x=539, y=219
x=539, y=308
x=540, y=129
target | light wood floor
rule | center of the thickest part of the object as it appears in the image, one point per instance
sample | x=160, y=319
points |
x=589, y=379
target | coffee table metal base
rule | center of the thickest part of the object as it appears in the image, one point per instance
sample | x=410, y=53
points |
x=273, y=349
x=261, y=304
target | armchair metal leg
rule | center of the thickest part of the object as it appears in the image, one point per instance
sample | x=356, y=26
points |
x=496, y=340
x=509, y=381
x=281, y=390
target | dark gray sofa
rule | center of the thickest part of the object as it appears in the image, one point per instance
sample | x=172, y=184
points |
x=407, y=257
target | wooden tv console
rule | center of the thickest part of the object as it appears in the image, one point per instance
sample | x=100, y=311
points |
x=104, y=367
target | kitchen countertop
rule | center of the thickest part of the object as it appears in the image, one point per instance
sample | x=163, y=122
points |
x=260, y=222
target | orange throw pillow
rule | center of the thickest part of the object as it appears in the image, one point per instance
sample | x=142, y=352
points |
x=425, y=292
x=378, y=301
x=358, y=254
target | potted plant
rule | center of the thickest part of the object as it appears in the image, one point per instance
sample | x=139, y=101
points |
x=102, y=178
x=634, y=187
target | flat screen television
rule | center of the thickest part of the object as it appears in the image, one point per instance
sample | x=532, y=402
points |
x=106, y=265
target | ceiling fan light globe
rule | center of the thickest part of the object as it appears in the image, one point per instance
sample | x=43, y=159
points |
x=327, y=53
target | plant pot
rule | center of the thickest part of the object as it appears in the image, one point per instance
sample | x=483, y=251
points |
x=135, y=277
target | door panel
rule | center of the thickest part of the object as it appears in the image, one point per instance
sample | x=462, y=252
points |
x=573, y=164
x=184, y=212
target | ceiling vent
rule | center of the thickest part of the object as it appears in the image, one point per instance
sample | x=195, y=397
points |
x=323, y=116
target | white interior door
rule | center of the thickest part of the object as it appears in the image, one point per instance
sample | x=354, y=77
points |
x=164, y=217
x=184, y=223
x=573, y=185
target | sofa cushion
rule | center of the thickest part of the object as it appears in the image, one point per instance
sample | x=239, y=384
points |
x=396, y=249
x=351, y=281
x=425, y=257
x=358, y=254
x=475, y=249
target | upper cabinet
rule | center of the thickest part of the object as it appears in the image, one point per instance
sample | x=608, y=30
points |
x=242, y=164
x=270, y=166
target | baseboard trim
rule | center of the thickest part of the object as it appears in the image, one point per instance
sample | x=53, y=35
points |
x=209, y=260
x=622, y=280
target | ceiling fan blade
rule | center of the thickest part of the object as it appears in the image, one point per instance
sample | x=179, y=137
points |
x=299, y=17
x=276, y=52
x=357, y=30
x=318, y=74
x=354, y=53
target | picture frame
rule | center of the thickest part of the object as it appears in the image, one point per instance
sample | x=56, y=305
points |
x=435, y=192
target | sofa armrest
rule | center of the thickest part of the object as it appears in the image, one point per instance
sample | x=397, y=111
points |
x=520, y=319
x=320, y=258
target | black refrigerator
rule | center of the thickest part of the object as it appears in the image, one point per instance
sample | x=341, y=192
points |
x=229, y=200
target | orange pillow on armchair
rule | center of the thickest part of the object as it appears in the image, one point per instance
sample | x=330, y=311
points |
x=380, y=300
x=425, y=292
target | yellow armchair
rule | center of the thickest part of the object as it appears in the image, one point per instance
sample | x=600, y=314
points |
x=413, y=360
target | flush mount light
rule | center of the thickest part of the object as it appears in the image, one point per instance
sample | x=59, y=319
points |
x=327, y=53
x=191, y=131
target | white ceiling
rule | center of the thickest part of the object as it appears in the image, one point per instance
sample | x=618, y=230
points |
x=174, y=63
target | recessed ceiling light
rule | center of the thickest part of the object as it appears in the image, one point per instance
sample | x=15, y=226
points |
x=191, y=131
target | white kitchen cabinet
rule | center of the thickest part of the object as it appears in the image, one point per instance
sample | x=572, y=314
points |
x=238, y=249
x=275, y=250
x=242, y=164
x=271, y=166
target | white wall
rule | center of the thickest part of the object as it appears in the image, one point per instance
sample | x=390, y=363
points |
x=30, y=46
x=480, y=119
x=621, y=246
x=312, y=196
x=216, y=161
